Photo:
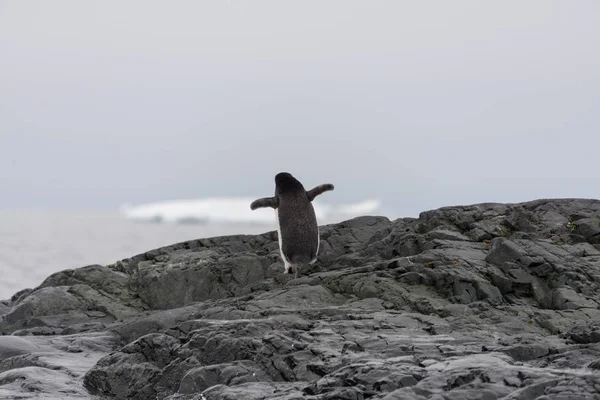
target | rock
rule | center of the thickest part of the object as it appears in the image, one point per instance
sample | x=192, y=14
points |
x=443, y=234
x=201, y=378
x=249, y=391
x=40, y=380
x=589, y=228
x=566, y=298
x=595, y=364
x=126, y=374
x=504, y=251
x=70, y=297
x=11, y=346
x=485, y=301
x=50, y=367
x=4, y=307
x=519, y=220
x=527, y=352
x=585, y=333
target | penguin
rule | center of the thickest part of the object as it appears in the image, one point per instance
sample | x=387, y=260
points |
x=297, y=229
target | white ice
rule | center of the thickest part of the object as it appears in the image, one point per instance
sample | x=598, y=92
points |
x=235, y=210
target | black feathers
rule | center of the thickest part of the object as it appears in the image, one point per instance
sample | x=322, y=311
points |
x=264, y=202
x=318, y=190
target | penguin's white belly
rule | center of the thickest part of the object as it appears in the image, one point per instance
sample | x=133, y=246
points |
x=318, y=244
x=283, y=257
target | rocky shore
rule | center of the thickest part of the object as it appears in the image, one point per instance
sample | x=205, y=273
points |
x=488, y=301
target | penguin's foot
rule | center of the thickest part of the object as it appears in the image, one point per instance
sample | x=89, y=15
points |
x=289, y=271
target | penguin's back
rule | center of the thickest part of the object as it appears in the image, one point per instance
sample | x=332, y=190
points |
x=298, y=228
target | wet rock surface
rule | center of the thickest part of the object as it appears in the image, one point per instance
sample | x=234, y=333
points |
x=489, y=301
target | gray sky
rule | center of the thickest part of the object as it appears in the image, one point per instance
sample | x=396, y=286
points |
x=420, y=104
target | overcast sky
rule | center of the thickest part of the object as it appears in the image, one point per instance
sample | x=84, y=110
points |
x=420, y=104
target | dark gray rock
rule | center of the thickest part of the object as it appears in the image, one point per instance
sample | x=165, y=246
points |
x=89, y=294
x=4, y=307
x=589, y=228
x=11, y=346
x=50, y=367
x=199, y=379
x=595, y=364
x=521, y=221
x=127, y=373
x=585, y=333
x=486, y=301
x=566, y=298
x=505, y=251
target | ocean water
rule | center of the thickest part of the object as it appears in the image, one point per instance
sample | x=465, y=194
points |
x=36, y=243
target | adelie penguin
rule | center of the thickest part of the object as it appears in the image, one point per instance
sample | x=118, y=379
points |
x=297, y=227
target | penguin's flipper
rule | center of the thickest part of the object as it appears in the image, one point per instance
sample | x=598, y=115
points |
x=318, y=190
x=264, y=202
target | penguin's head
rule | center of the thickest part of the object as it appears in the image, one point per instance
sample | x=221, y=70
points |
x=285, y=182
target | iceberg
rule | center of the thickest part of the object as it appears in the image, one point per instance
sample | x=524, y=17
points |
x=230, y=210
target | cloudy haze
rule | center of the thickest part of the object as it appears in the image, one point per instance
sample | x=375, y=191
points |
x=420, y=104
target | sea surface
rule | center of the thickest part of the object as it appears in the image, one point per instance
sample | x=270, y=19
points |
x=37, y=243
